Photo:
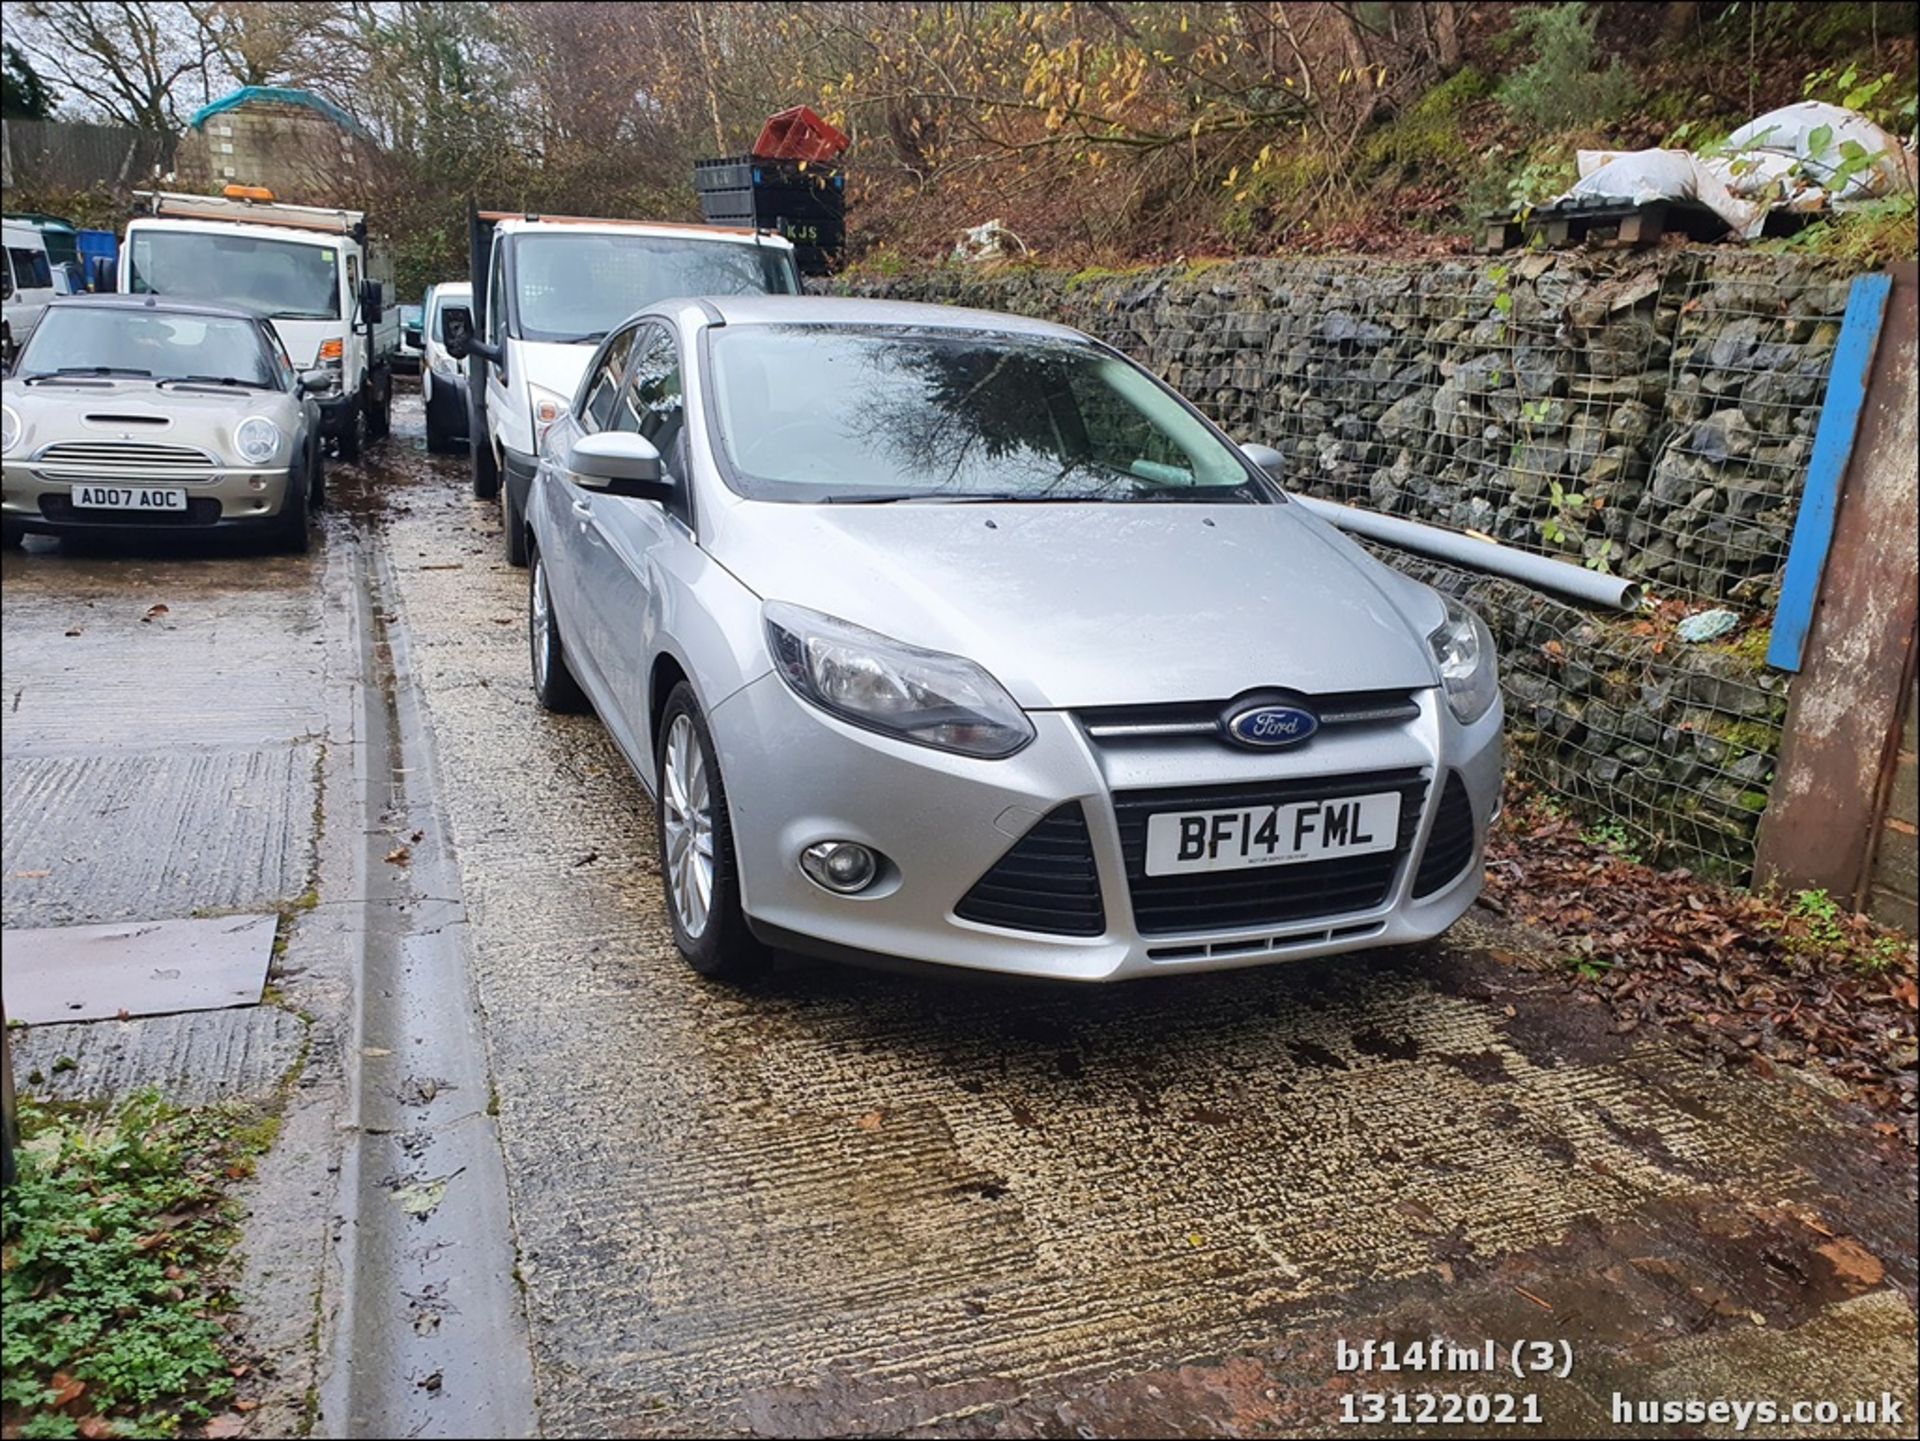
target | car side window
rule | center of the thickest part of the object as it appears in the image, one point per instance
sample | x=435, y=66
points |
x=497, y=296
x=603, y=385
x=353, y=285
x=6, y=282
x=652, y=403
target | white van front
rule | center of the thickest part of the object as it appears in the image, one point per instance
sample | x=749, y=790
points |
x=553, y=289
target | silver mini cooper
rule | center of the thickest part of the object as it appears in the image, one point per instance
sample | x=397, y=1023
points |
x=134, y=413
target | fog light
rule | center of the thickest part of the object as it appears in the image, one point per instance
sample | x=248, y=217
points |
x=257, y=482
x=841, y=866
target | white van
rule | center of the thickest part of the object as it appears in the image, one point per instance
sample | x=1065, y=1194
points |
x=309, y=269
x=26, y=285
x=546, y=290
x=443, y=380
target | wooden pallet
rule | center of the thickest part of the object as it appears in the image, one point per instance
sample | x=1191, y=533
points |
x=1606, y=224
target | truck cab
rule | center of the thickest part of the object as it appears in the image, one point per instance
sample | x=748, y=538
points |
x=308, y=269
x=546, y=290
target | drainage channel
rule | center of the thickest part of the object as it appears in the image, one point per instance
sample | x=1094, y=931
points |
x=430, y=1334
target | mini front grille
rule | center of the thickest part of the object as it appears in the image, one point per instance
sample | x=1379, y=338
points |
x=1262, y=895
x=1047, y=882
x=131, y=459
x=1450, y=846
x=1202, y=718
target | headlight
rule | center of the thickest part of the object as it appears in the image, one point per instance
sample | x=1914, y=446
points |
x=1463, y=646
x=257, y=438
x=9, y=428
x=894, y=688
x=547, y=408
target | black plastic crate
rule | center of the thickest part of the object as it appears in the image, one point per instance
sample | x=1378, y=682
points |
x=745, y=172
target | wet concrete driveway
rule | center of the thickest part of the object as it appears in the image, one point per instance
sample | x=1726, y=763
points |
x=844, y=1201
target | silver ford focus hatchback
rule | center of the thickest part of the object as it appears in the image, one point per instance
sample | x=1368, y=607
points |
x=957, y=637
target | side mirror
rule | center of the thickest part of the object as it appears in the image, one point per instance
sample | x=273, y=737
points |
x=1266, y=457
x=456, y=333
x=312, y=382
x=370, y=300
x=620, y=463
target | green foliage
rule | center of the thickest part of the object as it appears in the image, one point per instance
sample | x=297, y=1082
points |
x=1561, y=86
x=1868, y=236
x=114, y=1233
x=1614, y=838
x=23, y=94
x=1425, y=139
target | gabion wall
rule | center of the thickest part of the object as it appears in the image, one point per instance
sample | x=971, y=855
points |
x=1646, y=415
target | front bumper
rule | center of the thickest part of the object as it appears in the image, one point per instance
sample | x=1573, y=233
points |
x=796, y=776
x=42, y=502
x=336, y=411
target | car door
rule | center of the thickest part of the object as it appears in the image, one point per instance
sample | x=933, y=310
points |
x=618, y=576
x=562, y=509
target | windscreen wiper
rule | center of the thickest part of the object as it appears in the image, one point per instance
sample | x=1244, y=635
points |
x=213, y=380
x=592, y=337
x=960, y=497
x=95, y=370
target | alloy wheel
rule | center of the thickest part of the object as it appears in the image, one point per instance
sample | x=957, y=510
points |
x=687, y=808
x=539, y=622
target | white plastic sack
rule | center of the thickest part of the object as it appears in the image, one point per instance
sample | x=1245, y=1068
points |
x=1791, y=132
x=1638, y=176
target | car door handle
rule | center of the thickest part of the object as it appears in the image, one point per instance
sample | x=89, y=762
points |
x=583, y=510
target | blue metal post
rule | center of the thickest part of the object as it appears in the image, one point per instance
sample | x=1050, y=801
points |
x=1832, y=448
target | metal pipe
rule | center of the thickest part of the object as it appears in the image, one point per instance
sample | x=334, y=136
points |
x=1587, y=586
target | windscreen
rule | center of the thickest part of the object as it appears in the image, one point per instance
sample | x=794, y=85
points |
x=282, y=279
x=852, y=414
x=95, y=340
x=577, y=287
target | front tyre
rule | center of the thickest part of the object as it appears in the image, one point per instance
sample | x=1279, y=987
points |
x=291, y=532
x=697, y=870
x=553, y=683
x=486, y=470
x=347, y=444
x=515, y=520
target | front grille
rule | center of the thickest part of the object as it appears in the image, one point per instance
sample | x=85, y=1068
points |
x=201, y=510
x=1047, y=882
x=129, y=459
x=1450, y=846
x=1106, y=724
x=1266, y=895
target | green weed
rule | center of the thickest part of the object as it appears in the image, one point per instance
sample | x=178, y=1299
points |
x=115, y=1232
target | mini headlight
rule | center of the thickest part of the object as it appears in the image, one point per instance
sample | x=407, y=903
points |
x=9, y=428
x=257, y=438
x=1463, y=648
x=884, y=685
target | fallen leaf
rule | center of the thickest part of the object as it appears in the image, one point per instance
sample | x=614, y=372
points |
x=872, y=1121
x=94, y=1428
x=154, y=613
x=1852, y=1263
x=228, y=1425
x=31, y=875
x=399, y=855
x=246, y=1406
x=430, y=1383
x=417, y=837
x=1194, y=1238
x=63, y=1390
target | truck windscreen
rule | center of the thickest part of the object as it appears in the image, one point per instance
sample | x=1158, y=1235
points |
x=577, y=287
x=282, y=279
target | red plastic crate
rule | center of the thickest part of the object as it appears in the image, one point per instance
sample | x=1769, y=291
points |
x=798, y=134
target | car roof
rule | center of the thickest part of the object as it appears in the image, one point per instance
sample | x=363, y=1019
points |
x=171, y=305
x=850, y=310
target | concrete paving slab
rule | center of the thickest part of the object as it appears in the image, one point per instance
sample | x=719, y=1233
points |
x=137, y=968
x=194, y=1059
x=124, y=836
